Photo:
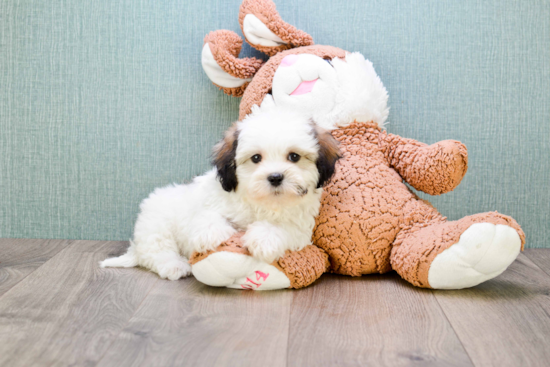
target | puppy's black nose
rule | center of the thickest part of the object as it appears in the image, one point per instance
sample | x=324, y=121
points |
x=275, y=179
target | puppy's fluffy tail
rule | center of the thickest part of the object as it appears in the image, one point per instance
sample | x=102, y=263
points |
x=128, y=260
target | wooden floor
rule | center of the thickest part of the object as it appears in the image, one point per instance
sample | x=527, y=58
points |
x=58, y=308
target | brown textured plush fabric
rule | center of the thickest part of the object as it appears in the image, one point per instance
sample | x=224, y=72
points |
x=370, y=222
x=362, y=208
x=303, y=267
x=434, y=169
x=225, y=47
x=266, y=12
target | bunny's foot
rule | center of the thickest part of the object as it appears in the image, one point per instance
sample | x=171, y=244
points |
x=232, y=266
x=461, y=254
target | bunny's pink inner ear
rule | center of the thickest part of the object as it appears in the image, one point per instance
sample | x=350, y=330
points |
x=221, y=63
x=264, y=29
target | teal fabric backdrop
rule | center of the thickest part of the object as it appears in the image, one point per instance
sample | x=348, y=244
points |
x=102, y=101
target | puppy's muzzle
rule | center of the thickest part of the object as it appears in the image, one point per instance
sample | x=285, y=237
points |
x=275, y=179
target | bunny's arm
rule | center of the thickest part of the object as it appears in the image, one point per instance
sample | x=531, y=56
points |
x=434, y=169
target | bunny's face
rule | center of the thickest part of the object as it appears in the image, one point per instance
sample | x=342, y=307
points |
x=325, y=83
x=305, y=83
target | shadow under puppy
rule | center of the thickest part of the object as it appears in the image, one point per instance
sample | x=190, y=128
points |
x=267, y=181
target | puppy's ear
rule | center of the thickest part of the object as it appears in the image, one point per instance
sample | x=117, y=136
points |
x=223, y=158
x=328, y=154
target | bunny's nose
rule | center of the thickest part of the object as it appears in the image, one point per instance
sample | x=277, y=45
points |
x=289, y=60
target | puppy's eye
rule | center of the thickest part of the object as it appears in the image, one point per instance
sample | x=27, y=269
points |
x=256, y=158
x=294, y=157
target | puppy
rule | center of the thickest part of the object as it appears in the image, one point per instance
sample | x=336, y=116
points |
x=267, y=181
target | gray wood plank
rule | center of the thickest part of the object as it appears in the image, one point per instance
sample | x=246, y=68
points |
x=375, y=320
x=186, y=323
x=541, y=257
x=505, y=321
x=20, y=257
x=69, y=311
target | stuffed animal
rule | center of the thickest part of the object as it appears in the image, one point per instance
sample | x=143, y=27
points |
x=369, y=221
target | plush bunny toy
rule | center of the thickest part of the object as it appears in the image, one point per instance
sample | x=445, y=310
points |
x=369, y=221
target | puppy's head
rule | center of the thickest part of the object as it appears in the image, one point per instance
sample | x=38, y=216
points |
x=275, y=158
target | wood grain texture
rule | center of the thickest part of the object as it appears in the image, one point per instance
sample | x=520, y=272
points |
x=186, y=323
x=505, y=321
x=541, y=257
x=20, y=257
x=370, y=321
x=69, y=311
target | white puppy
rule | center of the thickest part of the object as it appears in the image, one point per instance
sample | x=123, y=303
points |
x=267, y=181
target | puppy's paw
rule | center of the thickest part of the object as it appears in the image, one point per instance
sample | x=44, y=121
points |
x=174, y=269
x=264, y=253
x=205, y=239
x=264, y=241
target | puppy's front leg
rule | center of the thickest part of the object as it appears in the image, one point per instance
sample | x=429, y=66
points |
x=268, y=242
x=208, y=230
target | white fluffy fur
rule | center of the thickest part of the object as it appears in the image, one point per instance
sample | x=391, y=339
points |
x=177, y=220
x=346, y=90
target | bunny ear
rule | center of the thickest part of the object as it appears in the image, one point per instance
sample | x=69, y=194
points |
x=264, y=29
x=221, y=63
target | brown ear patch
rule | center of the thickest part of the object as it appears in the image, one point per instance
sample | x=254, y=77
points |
x=223, y=158
x=266, y=12
x=329, y=154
